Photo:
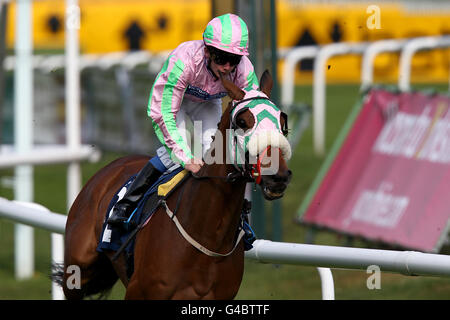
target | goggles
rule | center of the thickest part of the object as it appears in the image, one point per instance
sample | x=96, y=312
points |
x=221, y=57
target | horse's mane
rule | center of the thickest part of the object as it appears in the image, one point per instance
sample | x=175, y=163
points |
x=225, y=119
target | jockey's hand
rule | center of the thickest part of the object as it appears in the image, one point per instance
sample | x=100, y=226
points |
x=193, y=165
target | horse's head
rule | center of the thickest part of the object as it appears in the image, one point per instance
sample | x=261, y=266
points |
x=257, y=144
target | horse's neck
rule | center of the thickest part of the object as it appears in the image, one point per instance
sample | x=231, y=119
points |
x=216, y=203
x=216, y=206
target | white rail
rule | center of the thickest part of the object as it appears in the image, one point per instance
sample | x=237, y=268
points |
x=72, y=96
x=319, y=86
x=265, y=251
x=46, y=154
x=321, y=55
x=57, y=247
x=408, y=52
x=327, y=283
x=372, y=51
x=19, y=212
x=411, y=263
x=292, y=59
x=23, y=133
x=129, y=60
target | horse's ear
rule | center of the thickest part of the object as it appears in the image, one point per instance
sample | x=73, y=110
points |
x=266, y=83
x=233, y=90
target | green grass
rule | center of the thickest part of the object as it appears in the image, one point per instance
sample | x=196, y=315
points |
x=261, y=281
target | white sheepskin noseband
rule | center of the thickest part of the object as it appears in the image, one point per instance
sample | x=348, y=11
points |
x=261, y=140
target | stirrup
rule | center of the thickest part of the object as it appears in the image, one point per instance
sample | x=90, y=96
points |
x=119, y=216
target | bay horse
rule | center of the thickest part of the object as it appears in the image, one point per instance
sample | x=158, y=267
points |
x=166, y=265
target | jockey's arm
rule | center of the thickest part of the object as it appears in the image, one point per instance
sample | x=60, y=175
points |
x=164, y=103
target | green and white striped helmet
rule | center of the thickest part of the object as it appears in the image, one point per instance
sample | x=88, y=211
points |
x=228, y=33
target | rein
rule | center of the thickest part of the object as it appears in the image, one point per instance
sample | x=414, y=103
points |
x=195, y=243
x=231, y=177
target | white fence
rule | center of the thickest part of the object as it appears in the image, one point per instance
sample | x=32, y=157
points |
x=369, y=51
x=23, y=111
x=325, y=257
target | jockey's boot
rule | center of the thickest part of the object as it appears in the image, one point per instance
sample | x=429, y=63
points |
x=123, y=208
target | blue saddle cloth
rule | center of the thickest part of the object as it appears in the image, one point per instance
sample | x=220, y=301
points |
x=112, y=238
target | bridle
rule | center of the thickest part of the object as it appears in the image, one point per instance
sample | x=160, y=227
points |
x=247, y=171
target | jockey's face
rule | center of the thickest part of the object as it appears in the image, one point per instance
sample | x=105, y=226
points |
x=224, y=69
x=223, y=64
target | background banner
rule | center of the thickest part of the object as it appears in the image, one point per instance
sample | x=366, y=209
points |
x=390, y=181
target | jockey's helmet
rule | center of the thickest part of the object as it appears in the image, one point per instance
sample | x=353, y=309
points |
x=227, y=33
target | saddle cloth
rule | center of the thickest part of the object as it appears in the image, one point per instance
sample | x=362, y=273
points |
x=112, y=238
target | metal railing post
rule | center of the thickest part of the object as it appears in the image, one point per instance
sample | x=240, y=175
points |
x=327, y=283
x=408, y=52
x=319, y=87
x=292, y=59
x=372, y=51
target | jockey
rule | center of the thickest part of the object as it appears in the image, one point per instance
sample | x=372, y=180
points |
x=188, y=85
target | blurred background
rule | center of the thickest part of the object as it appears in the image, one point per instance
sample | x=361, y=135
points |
x=123, y=44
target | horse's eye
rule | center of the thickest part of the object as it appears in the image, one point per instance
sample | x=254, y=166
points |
x=241, y=123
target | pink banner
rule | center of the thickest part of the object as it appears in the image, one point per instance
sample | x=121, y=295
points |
x=390, y=180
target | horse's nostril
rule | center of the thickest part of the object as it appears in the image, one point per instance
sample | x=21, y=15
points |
x=289, y=173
